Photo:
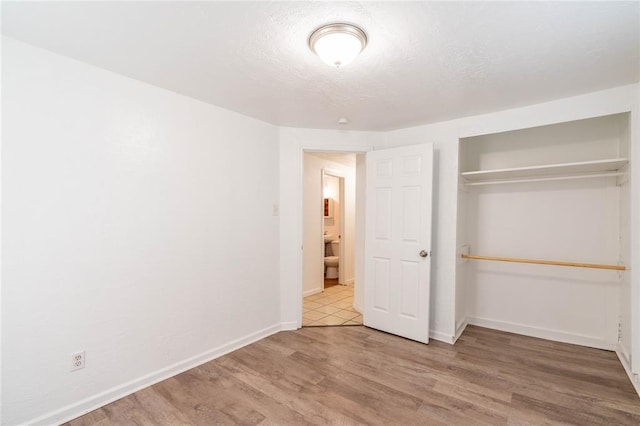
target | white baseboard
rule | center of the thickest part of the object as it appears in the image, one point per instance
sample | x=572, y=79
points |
x=623, y=356
x=288, y=326
x=349, y=282
x=94, y=402
x=543, y=333
x=441, y=337
x=311, y=292
x=460, y=330
x=358, y=308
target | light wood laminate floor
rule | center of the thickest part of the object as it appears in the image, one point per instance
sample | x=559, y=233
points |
x=355, y=375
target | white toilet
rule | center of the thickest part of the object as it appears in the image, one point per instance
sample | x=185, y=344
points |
x=331, y=262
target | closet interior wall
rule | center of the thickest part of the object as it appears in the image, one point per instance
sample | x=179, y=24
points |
x=624, y=341
x=551, y=215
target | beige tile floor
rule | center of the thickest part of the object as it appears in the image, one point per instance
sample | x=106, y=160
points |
x=334, y=306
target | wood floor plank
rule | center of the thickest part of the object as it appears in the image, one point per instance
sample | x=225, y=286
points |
x=97, y=417
x=532, y=357
x=356, y=375
x=236, y=389
x=304, y=397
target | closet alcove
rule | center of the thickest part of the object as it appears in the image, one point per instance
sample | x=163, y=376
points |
x=556, y=193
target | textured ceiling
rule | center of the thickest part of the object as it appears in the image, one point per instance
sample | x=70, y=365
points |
x=425, y=62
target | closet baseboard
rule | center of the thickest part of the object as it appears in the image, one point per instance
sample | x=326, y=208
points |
x=543, y=333
x=447, y=338
x=441, y=337
x=290, y=325
x=460, y=330
x=626, y=364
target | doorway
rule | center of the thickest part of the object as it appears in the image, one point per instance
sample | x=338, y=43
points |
x=329, y=239
x=396, y=288
x=332, y=229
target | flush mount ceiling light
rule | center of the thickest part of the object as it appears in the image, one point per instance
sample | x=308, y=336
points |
x=337, y=44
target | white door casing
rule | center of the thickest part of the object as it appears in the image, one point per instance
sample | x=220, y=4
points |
x=398, y=228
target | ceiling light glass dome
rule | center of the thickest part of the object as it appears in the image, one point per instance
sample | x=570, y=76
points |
x=338, y=44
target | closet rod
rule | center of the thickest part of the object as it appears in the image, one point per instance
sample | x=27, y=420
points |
x=546, y=262
x=542, y=179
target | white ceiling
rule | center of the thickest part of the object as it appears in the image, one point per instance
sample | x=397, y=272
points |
x=425, y=62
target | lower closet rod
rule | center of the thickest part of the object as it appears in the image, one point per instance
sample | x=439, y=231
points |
x=545, y=262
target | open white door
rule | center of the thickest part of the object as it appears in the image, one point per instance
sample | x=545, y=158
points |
x=398, y=240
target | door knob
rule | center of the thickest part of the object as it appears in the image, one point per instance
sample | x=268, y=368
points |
x=424, y=253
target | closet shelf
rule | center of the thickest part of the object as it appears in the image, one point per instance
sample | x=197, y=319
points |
x=584, y=169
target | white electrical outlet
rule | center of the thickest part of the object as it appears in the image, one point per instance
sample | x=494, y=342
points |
x=77, y=361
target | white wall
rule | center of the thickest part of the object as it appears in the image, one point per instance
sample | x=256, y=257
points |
x=625, y=283
x=629, y=346
x=461, y=287
x=313, y=256
x=137, y=225
x=634, y=263
x=361, y=190
x=625, y=343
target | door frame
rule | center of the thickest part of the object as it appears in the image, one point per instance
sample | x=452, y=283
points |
x=340, y=176
x=298, y=265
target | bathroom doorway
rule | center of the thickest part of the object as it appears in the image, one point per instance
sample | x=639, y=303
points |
x=329, y=239
x=333, y=209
